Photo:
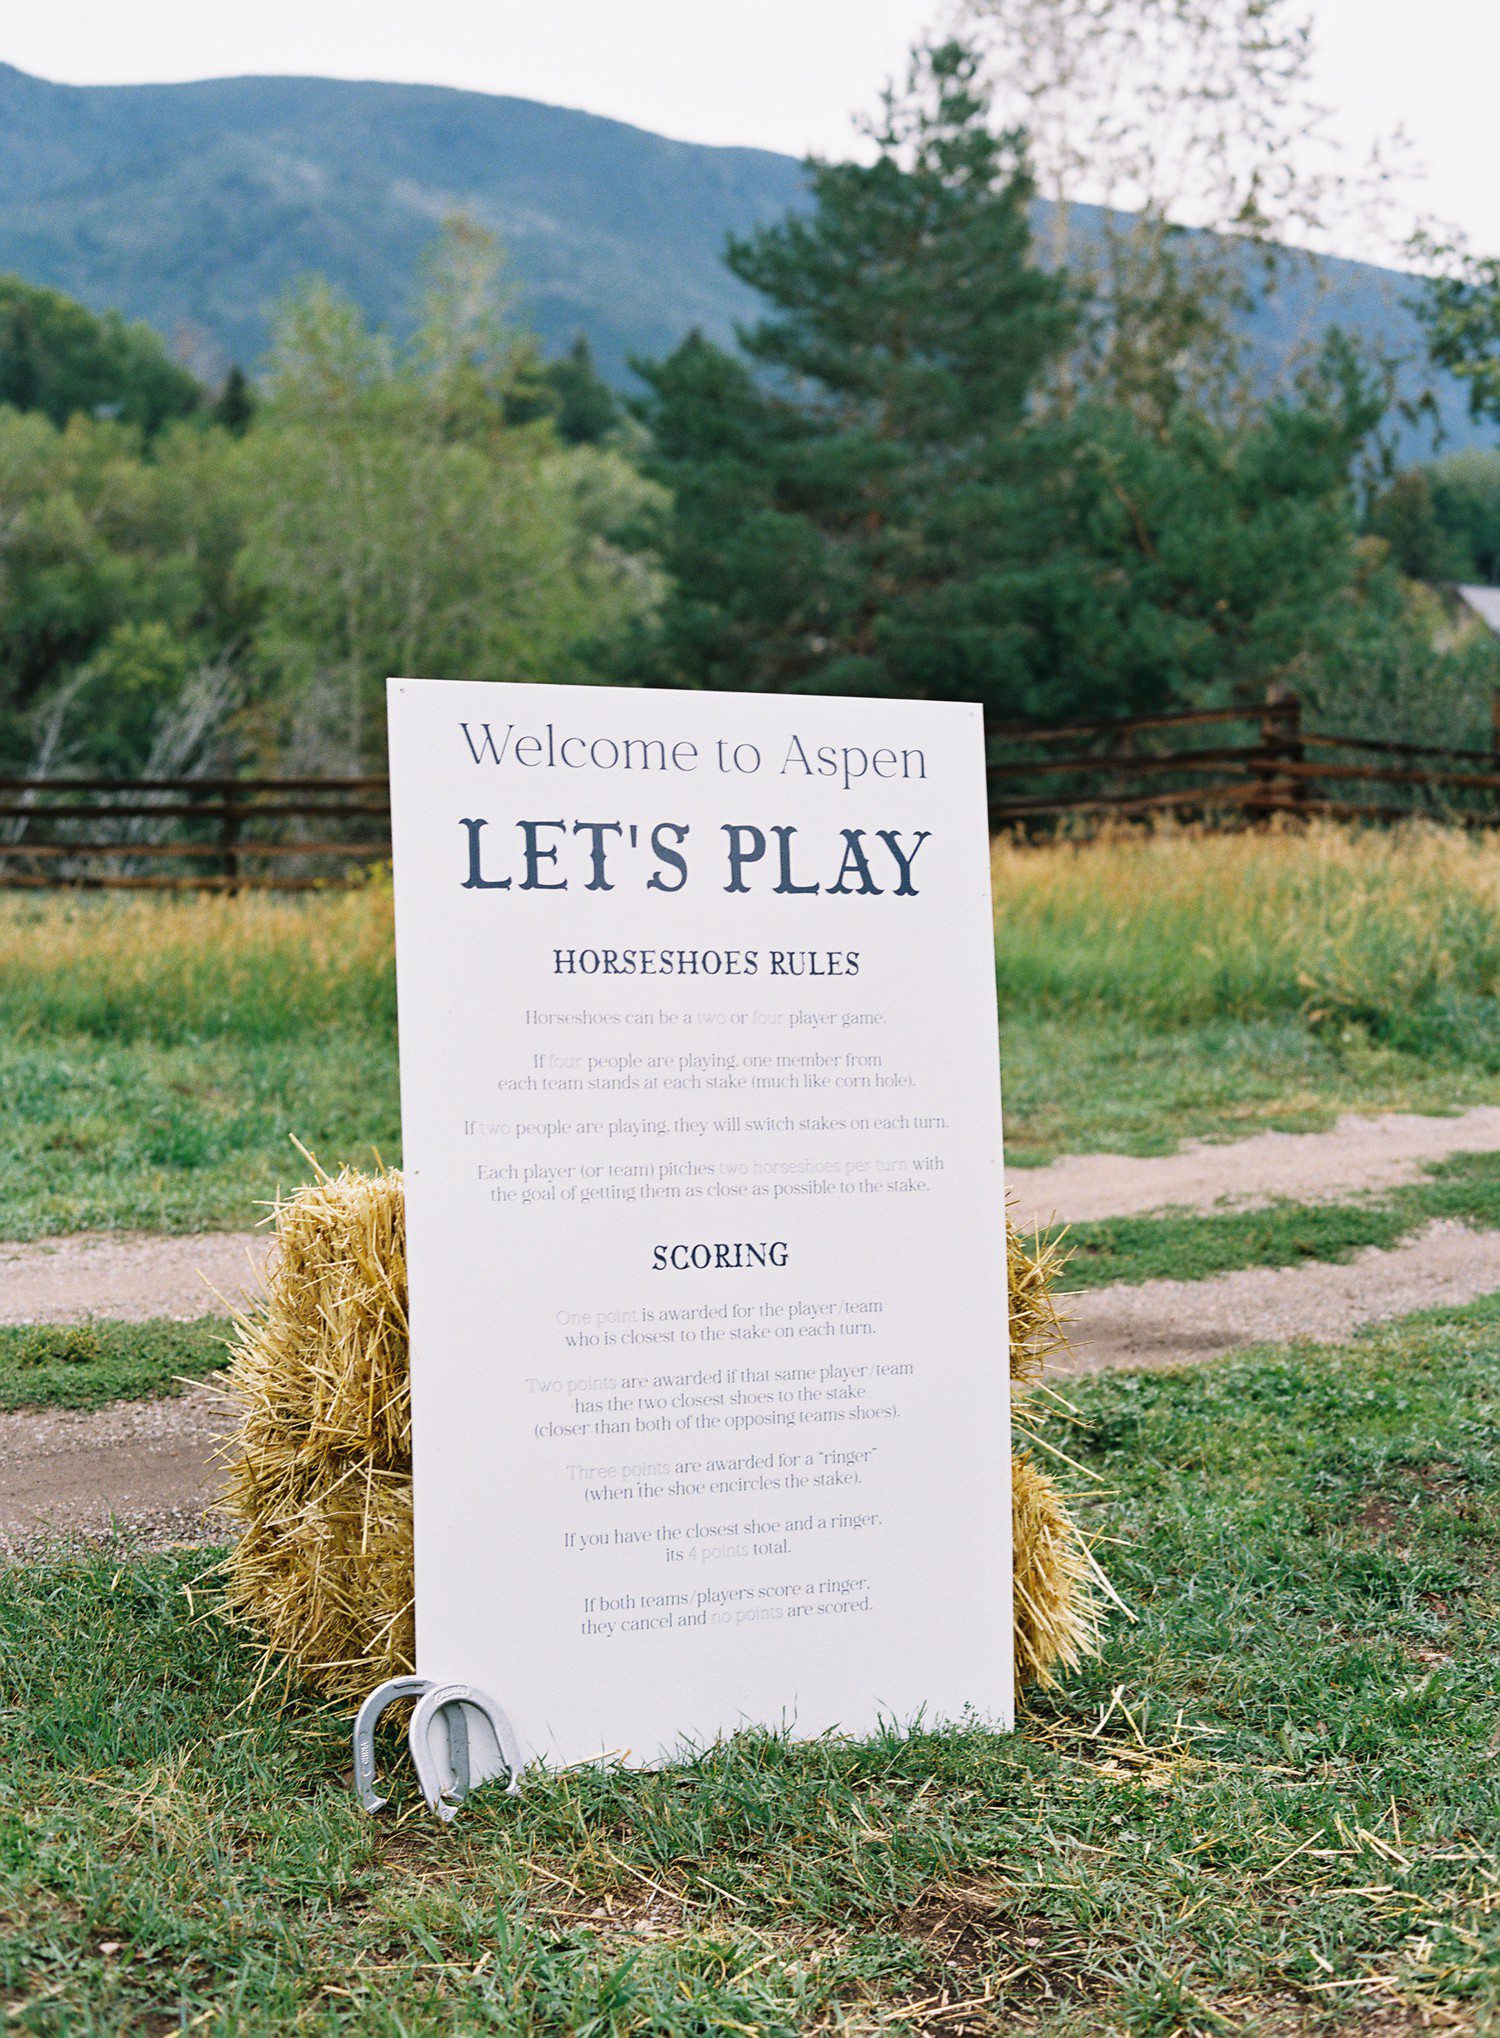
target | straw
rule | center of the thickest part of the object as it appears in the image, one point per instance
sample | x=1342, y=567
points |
x=320, y=1463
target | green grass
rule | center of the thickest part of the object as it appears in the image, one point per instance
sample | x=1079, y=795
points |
x=1189, y=1246
x=1396, y=932
x=1272, y=1808
x=85, y=1365
x=1081, y=1083
x=157, y=1054
x=187, y=1136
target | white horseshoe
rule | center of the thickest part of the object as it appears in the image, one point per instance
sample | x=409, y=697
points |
x=477, y=1742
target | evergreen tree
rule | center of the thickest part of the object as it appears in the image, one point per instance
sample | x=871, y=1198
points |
x=884, y=492
x=234, y=407
x=1198, y=562
x=587, y=409
x=850, y=496
x=1466, y=505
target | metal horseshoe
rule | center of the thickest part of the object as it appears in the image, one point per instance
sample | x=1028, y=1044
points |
x=364, y=1733
x=459, y=1738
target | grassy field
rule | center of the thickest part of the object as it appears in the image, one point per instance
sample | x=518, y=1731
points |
x=1271, y=1809
x=157, y=1055
x=1389, y=936
x=86, y=1365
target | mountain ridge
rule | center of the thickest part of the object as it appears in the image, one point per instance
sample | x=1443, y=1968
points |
x=196, y=205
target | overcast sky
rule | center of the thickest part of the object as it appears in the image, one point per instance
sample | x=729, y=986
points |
x=780, y=74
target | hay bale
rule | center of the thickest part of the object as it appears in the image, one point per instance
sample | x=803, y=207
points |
x=320, y=1474
x=1057, y=1611
x=1057, y=1608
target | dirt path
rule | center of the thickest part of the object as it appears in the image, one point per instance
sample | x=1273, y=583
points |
x=145, y=1467
x=148, y=1468
x=128, y=1275
x=1172, y=1323
x=1306, y=1167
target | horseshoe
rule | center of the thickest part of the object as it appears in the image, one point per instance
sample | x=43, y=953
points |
x=476, y=1743
x=364, y=1733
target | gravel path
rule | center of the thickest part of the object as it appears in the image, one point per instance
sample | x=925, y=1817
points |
x=1306, y=1167
x=144, y=1468
x=1172, y=1323
x=129, y=1275
x=146, y=1471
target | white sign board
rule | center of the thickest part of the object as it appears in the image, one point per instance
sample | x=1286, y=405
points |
x=701, y=1113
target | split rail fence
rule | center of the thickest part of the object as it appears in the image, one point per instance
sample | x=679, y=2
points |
x=1235, y=765
x=166, y=834
x=1247, y=764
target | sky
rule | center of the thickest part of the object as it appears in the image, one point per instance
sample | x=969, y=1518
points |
x=779, y=74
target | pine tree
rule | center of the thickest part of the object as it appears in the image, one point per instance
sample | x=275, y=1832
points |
x=884, y=490
x=850, y=495
x=587, y=409
x=234, y=407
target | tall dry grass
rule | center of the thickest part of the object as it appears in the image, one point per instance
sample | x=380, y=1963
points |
x=1396, y=932
x=262, y=966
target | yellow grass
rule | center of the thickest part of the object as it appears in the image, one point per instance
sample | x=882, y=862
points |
x=258, y=965
x=1398, y=931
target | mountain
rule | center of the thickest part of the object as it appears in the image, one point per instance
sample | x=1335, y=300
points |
x=195, y=206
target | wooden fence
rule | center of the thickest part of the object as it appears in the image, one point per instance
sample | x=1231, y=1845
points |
x=293, y=834
x=1198, y=765
x=160, y=834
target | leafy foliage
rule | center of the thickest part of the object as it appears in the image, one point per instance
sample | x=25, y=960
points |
x=1196, y=126
x=412, y=512
x=234, y=406
x=923, y=472
x=1442, y=521
x=118, y=578
x=1460, y=309
x=58, y=358
x=238, y=586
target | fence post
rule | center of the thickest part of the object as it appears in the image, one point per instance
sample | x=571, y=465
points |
x=1281, y=744
x=229, y=838
x=1121, y=753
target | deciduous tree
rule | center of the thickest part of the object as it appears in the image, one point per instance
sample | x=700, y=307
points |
x=59, y=358
x=411, y=511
